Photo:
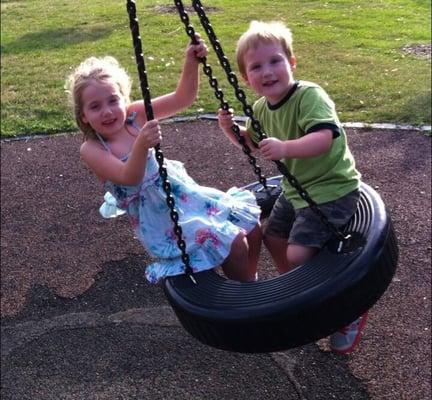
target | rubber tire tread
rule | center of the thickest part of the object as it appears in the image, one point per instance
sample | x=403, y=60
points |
x=222, y=314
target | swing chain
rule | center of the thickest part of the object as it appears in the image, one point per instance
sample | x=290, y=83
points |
x=224, y=62
x=134, y=27
x=247, y=109
x=208, y=71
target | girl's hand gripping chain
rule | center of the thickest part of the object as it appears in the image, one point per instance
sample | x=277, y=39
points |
x=197, y=50
x=150, y=134
x=226, y=120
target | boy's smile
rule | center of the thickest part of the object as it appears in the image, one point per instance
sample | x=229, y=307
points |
x=269, y=71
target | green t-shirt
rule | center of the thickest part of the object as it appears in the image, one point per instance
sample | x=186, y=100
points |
x=308, y=108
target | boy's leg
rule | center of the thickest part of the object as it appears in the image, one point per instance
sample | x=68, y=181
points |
x=277, y=247
x=308, y=229
x=346, y=339
x=297, y=255
x=309, y=232
x=287, y=256
x=294, y=236
x=277, y=231
x=277, y=238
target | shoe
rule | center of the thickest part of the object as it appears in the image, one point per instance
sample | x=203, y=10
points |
x=344, y=340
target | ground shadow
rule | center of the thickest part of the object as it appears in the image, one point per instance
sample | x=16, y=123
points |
x=120, y=286
x=96, y=354
x=53, y=39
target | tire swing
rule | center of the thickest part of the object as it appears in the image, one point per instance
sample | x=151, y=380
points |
x=340, y=283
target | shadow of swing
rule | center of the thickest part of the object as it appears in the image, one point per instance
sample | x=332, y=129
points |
x=129, y=356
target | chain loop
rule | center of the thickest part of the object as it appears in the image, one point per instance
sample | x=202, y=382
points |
x=218, y=93
x=145, y=90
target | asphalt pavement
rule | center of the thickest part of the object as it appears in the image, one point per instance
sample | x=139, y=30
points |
x=80, y=322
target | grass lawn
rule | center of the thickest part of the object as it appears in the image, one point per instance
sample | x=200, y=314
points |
x=354, y=49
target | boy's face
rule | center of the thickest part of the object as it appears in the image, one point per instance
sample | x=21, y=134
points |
x=269, y=71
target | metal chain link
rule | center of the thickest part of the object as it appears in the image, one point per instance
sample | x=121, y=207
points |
x=247, y=109
x=207, y=69
x=145, y=90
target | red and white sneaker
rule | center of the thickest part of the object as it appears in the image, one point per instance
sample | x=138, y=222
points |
x=346, y=339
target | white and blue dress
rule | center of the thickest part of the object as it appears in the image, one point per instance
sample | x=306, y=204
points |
x=210, y=218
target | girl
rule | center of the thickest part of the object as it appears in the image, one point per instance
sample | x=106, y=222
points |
x=218, y=228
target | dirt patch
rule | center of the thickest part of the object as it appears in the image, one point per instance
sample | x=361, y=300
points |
x=418, y=50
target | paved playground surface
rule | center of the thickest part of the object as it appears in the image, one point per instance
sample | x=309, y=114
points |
x=79, y=321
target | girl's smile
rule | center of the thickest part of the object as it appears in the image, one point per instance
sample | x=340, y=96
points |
x=104, y=107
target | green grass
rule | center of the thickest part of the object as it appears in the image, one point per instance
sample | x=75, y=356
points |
x=352, y=48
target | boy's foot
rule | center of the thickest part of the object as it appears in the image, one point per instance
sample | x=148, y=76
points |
x=344, y=340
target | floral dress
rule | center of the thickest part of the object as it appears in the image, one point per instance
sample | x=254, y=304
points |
x=210, y=219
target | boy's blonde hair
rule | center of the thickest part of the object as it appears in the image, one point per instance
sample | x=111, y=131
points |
x=103, y=69
x=263, y=32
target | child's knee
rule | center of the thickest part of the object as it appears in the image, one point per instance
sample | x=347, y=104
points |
x=298, y=255
x=236, y=265
x=240, y=244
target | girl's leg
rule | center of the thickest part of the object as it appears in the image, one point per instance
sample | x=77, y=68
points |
x=236, y=265
x=254, y=239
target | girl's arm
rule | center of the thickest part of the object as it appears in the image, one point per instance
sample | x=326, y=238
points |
x=187, y=87
x=108, y=167
x=311, y=145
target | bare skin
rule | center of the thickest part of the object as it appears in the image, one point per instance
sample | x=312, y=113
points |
x=287, y=256
x=241, y=264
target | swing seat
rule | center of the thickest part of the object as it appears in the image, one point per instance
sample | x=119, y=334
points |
x=301, y=306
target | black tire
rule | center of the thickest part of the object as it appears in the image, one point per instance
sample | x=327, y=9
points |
x=301, y=306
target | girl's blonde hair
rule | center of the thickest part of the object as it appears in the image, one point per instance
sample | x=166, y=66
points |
x=259, y=32
x=103, y=69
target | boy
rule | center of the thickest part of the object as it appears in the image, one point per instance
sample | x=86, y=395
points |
x=305, y=133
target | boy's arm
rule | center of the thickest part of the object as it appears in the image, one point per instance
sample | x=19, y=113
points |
x=311, y=145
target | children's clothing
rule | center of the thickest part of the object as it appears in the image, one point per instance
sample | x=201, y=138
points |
x=303, y=226
x=305, y=109
x=210, y=219
x=346, y=339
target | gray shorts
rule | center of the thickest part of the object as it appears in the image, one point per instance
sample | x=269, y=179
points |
x=303, y=226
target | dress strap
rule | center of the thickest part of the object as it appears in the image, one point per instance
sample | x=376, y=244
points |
x=104, y=144
x=131, y=120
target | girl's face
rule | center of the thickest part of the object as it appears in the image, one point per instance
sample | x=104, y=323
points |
x=103, y=107
x=269, y=72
